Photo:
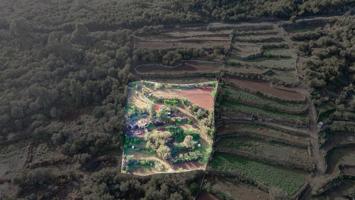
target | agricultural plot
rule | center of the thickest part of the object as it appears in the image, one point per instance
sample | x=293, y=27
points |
x=187, y=37
x=306, y=25
x=265, y=132
x=190, y=66
x=263, y=174
x=264, y=102
x=239, y=102
x=263, y=124
x=266, y=50
x=230, y=188
x=264, y=88
x=169, y=127
x=267, y=151
x=196, y=50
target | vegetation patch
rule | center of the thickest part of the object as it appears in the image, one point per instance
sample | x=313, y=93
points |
x=287, y=180
x=273, y=115
x=263, y=102
x=267, y=151
x=169, y=127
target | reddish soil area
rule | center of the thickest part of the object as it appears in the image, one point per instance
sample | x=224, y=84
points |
x=200, y=96
x=188, y=165
x=266, y=88
x=157, y=107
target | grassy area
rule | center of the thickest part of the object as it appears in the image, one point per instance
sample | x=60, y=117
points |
x=261, y=101
x=259, y=38
x=267, y=63
x=237, y=144
x=255, y=127
x=287, y=180
x=237, y=107
x=280, y=52
x=266, y=149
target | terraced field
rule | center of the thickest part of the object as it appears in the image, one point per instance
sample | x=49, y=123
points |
x=338, y=135
x=187, y=37
x=240, y=104
x=266, y=125
x=263, y=174
x=263, y=51
x=229, y=188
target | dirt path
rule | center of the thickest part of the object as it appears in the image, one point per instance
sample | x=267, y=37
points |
x=153, y=158
x=317, y=153
x=203, y=134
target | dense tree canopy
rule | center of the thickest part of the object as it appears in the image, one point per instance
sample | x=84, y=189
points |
x=65, y=66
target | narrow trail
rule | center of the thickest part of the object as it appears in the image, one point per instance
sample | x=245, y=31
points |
x=153, y=158
x=317, y=153
x=203, y=133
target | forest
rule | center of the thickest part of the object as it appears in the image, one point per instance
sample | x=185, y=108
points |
x=65, y=69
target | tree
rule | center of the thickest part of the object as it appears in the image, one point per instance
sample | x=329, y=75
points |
x=80, y=34
x=171, y=58
x=20, y=27
x=164, y=152
x=188, y=142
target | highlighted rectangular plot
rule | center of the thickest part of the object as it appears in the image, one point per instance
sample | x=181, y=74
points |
x=169, y=127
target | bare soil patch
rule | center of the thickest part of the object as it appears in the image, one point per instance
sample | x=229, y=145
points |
x=189, y=166
x=266, y=88
x=201, y=97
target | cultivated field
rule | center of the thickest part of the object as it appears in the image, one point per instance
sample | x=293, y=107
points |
x=266, y=125
x=169, y=127
x=188, y=37
x=263, y=174
x=231, y=188
x=266, y=49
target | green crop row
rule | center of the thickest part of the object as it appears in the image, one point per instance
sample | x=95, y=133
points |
x=287, y=180
x=262, y=101
x=237, y=107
